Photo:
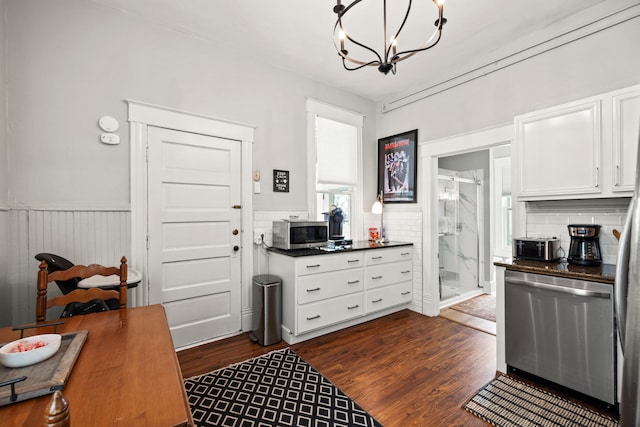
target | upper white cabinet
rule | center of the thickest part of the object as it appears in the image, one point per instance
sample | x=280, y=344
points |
x=583, y=149
x=626, y=128
x=559, y=150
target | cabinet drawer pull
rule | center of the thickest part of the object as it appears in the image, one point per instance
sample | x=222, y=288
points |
x=405, y=253
x=376, y=257
x=313, y=266
x=353, y=260
x=353, y=282
x=405, y=293
x=313, y=290
x=405, y=272
x=352, y=307
x=376, y=277
x=317, y=316
x=377, y=300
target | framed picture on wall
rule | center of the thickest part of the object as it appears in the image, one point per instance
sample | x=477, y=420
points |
x=397, y=167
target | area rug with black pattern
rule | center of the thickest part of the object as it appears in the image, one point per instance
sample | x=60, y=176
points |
x=508, y=402
x=276, y=389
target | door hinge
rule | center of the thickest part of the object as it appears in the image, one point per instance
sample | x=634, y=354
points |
x=147, y=154
x=147, y=242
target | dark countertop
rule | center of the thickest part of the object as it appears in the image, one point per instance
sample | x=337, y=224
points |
x=604, y=273
x=358, y=245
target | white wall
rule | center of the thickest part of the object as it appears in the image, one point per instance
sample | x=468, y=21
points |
x=598, y=63
x=5, y=294
x=70, y=62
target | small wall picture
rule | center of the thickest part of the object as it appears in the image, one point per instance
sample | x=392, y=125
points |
x=280, y=181
x=397, y=167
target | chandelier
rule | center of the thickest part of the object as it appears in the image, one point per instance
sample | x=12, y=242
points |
x=386, y=60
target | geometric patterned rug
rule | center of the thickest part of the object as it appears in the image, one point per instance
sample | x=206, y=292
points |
x=507, y=402
x=276, y=389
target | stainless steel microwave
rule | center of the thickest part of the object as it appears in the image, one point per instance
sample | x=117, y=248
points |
x=300, y=234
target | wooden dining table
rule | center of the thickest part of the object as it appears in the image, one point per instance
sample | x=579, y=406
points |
x=126, y=373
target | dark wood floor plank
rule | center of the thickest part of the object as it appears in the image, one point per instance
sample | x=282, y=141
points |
x=405, y=369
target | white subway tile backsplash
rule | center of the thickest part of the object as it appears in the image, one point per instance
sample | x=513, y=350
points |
x=541, y=223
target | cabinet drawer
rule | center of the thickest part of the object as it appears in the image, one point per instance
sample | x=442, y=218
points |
x=381, y=256
x=320, y=314
x=388, y=296
x=386, y=274
x=326, y=263
x=316, y=287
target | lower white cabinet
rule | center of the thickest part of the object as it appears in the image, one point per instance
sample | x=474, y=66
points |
x=388, y=296
x=328, y=312
x=328, y=292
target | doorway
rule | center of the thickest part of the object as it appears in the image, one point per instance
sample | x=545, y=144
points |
x=197, y=270
x=430, y=153
x=194, y=233
x=460, y=235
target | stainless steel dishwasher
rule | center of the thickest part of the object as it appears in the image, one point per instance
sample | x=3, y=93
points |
x=562, y=330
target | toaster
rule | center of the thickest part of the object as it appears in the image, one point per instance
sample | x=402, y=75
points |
x=537, y=249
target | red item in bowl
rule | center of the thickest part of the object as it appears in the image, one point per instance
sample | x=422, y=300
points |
x=22, y=346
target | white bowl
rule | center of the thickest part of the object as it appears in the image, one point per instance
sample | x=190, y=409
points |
x=12, y=357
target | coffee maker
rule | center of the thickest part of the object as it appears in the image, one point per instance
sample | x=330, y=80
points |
x=585, y=244
x=335, y=219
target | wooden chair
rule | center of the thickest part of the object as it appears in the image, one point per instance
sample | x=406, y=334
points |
x=57, y=413
x=79, y=295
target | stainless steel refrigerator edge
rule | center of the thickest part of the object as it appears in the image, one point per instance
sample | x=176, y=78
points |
x=627, y=297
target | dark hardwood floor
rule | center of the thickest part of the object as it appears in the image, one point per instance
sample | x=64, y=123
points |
x=405, y=369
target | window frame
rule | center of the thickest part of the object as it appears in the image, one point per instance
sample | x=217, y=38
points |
x=338, y=114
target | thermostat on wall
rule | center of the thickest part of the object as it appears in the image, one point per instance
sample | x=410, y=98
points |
x=108, y=124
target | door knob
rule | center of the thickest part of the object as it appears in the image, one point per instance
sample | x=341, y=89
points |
x=235, y=232
x=236, y=248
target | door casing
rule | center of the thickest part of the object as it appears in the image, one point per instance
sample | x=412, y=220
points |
x=140, y=116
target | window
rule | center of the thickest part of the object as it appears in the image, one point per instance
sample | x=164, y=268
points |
x=502, y=207
x=334, y=168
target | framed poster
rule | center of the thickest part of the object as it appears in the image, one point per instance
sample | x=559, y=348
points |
x=397, y=167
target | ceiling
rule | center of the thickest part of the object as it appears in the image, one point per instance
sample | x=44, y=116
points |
x=298, y=35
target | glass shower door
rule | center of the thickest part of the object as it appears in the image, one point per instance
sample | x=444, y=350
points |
x=448, y=196
x=458, y=234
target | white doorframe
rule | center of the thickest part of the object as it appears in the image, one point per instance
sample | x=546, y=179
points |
x=430, y=151
x=140, y=116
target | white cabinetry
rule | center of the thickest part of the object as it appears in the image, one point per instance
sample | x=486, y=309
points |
x=626, y=125
x=388, y=278
x=583, y=149
x=559, y=150
x=325, y=293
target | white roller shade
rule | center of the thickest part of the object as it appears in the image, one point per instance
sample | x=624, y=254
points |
x=337, y=152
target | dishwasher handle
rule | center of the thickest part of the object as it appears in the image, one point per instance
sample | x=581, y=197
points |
x=562, y=289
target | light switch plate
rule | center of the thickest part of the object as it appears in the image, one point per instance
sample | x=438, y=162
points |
x=110, y=138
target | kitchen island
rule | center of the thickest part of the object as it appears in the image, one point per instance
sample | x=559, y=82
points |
x=328, y=289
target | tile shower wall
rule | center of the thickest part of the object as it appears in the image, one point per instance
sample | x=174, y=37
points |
x=541, y=223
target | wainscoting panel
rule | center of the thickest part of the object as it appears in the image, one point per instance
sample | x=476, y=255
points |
x=81, y=236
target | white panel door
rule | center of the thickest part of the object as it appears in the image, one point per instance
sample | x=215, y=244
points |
x=194, y=238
